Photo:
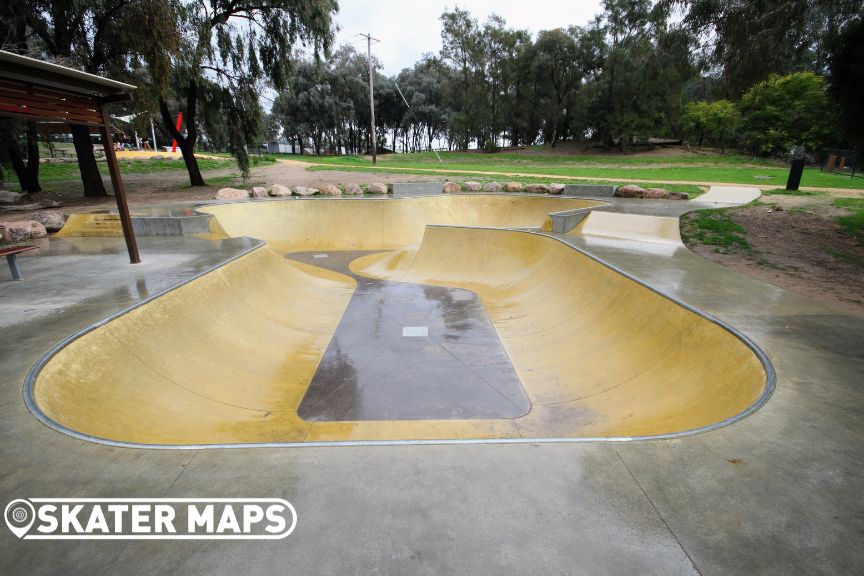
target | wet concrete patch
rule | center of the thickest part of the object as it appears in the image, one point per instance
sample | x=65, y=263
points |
x=370, y=371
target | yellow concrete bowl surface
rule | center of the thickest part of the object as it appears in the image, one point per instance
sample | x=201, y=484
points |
x=227, y=358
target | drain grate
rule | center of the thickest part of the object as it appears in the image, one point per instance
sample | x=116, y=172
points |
x=415, y=331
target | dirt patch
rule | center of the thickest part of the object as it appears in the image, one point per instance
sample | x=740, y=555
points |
x=796, y=244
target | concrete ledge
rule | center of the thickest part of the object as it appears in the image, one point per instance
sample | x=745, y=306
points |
x=595, y=190
x=567, y=220
x=417, y=188
x=171, y=225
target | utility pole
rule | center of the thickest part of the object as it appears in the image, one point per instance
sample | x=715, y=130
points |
x=153, y=133
x=369, y=40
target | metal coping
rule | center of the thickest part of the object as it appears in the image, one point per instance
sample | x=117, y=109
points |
x=770, y=377
x=389, y=196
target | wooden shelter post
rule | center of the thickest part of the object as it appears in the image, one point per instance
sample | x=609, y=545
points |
x=119, y=190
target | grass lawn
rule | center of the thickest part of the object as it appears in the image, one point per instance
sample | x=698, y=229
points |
x=64, y=171
x=707, y=167
x=714, y=228
x=58, y=171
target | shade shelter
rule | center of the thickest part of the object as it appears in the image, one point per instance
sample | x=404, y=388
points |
x=54, y=95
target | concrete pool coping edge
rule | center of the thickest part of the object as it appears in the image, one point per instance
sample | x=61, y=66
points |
x=33, y=374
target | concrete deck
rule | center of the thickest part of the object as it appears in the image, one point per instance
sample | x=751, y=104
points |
x=779, y=492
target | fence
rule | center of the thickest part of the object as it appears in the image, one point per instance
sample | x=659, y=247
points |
x=843, y=162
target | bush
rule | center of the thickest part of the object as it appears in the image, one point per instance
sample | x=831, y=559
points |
x=785, y=112
x=712, y=121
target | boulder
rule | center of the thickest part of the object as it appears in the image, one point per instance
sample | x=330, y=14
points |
x=231, y=194
x=21, y=230
x=655, y=193
x=492, y=187
x=279, y=190
x=7, y=197
x=677, y=196
x=556, y=188
x=353, y=190
x=451, y=187
x=259, y=192
x=304, y=191
x=51, y=220
x=537, y=188
x=331, y=190
x=377, y=188
x=471, y=186
x=37, y=230
x=630, y=191
x=513, y=187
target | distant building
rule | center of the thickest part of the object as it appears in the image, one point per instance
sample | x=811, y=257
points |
x=285, y=147
x=282, y=147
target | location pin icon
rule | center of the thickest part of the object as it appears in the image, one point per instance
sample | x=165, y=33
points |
x=19, y=515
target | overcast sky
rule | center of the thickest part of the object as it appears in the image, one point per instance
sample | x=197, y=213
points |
x=410, y=28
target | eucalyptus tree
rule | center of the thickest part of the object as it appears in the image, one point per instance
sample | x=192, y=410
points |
x=389, y=114
x=846, y=75
x=423, y=87
x=97, y=36
x=346, y=73
x=501, y=47
x=646, y=63
x=19, y=146
x=745, y=42
x=20, y=149
x=562, y=60
x=428, y=83
x=286, y=108
x=526, y=115
x=462, y=48
x=230, y=49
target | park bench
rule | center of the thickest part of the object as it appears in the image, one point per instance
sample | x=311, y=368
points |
x=11, y=254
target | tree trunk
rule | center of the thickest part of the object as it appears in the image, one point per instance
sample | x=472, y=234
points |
x=555, y=131
x=18, y=164
x=90, y=176
x=186, y=143
x=188, y=150
x=32, y=159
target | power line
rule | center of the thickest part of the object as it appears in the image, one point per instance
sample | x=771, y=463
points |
x=415, y=118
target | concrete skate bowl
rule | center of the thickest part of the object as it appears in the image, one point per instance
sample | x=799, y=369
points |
x=393, y=321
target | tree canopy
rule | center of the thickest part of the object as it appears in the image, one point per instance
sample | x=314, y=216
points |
x=761, y=76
